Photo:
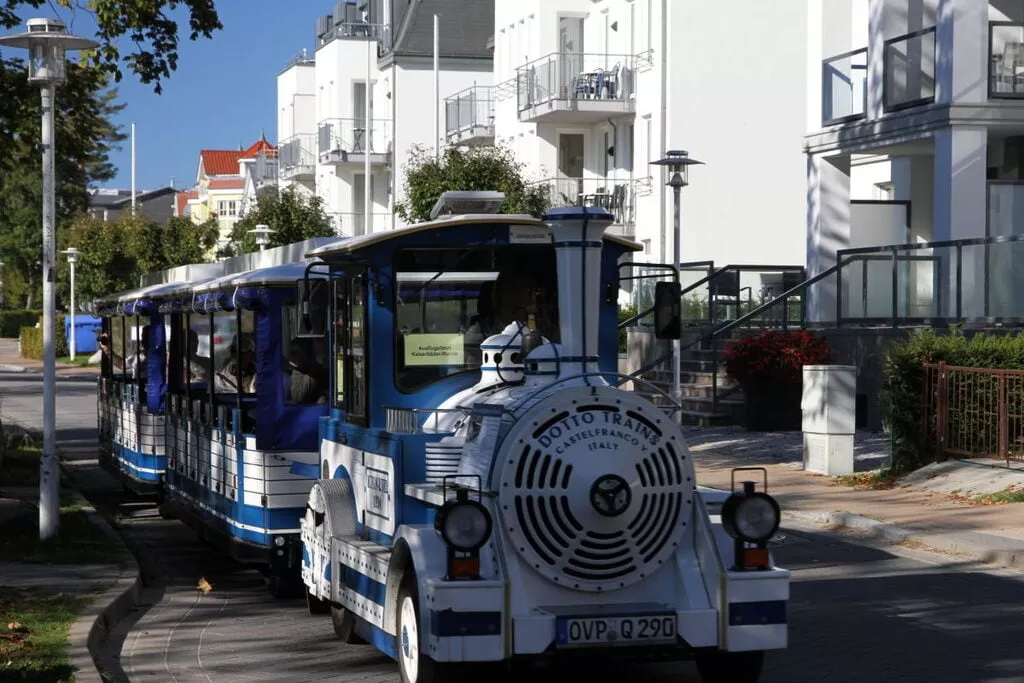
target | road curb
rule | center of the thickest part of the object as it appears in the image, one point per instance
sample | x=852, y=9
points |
x=12, y=368
x=1011, y=556
x=100, y=617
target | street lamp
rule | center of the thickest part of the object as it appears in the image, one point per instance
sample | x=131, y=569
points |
x=72, y=255
x=2, y=264
x=678, y=163
x=261, y=231
x=47, y=41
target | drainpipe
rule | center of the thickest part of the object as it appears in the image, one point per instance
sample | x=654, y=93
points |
x=664, y=124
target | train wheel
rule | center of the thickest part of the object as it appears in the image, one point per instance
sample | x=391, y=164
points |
x=344, y=623
x=413, y=665
x=730, y=667
x=315, y=605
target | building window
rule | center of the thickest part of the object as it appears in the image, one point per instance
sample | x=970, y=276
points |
x=227, y=208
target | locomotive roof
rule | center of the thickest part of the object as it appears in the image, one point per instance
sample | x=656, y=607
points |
x=460, y=220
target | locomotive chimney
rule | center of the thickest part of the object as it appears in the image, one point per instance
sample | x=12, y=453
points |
x=577, y=234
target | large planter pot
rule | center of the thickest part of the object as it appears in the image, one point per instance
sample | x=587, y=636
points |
x=772, y=407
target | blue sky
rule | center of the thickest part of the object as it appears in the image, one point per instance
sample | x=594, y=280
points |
x=222, y=94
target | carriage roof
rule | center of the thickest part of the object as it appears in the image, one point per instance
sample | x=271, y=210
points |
x=355, y=244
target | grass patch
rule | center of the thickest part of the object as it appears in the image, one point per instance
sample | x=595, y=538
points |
x=999, y=497
x=81, y=360
x=876, y=481
x=79, y=541
x=34, y=626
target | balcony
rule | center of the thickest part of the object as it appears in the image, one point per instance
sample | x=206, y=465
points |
x=469, y=116
x=1006, y=60
x=351, y=224
x=297, y=158
x=301, y=58
x=616, y=196
x=356, y=30
x=576, y=88
x=909, y=70
x=844, y=87
x=347, y=142
x=266, y=168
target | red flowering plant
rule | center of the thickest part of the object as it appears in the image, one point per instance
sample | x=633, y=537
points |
x=774, y=357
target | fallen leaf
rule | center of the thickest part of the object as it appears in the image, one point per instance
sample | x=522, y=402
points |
x=204, y=585
x=16, y=626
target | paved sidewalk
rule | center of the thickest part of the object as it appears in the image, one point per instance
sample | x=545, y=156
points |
x=916, y=512
x=11, y=361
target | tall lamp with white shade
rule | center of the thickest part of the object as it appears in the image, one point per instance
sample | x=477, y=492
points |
x=47, y=42
x=72, y=255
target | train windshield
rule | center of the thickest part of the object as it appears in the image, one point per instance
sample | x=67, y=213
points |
x=449, y=300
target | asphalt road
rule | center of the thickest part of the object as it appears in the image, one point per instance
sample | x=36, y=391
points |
x=859, y=612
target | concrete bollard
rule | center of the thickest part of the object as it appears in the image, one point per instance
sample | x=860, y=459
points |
x=829, y=418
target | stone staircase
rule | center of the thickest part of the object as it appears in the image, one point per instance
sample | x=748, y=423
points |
x=697, y=378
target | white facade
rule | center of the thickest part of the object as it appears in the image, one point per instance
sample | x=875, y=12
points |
x=331, y=142
x=677, y=74
x=914, y=135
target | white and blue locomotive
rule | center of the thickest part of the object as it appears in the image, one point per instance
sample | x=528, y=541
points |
x=486, y=490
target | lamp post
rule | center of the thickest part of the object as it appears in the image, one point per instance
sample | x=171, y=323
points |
x=72, y=255
x=678, y=163
x=2, y=264
x=261, y=231
x=47, y=41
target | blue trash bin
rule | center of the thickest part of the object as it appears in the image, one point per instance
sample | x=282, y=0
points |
x=87, y=329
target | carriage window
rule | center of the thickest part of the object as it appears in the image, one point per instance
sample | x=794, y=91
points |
x=304, y=360
x=449, y=300
x=234, y=353
x=117, y=347
x=197, y=334
x=351, y=347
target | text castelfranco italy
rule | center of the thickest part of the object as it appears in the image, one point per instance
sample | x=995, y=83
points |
x=601, y=429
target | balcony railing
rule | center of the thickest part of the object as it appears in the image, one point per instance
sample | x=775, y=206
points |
x=909, y=70
x=616, y=196
x=265, y=167
x=297, y=155
x=1006, y=58
x=352, y=136
x=357, y=30
x=350, y=224
x=574, y=76
x=844, y=91
x=470, y=112
x=301, y=57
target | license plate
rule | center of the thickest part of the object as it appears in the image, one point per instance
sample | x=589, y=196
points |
x=625, y=630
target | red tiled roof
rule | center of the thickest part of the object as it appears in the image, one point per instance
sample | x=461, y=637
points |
x=226, y=183
x=181, y=201
x=219, y=161
x=255, y=148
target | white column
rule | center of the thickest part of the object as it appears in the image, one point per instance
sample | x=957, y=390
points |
x=961, y=44
x=876, y=59
x=961, y=209
x=828, y=229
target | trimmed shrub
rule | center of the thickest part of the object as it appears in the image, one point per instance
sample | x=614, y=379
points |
x=11, y=322
x=903, y=385
x=32, y=339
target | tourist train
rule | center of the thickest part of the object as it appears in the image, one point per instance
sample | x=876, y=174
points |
x=425, y=432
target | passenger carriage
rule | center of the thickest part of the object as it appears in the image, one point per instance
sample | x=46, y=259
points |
x=487, y=491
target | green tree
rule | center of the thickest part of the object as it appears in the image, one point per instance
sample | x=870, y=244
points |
x=292, y=216
x=85, y=135
x=476, y=168
x=114, y=254
x=144, y=24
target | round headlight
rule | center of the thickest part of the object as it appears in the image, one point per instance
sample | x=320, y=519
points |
x=751, y=518
x=279, y=541
x=465, y=525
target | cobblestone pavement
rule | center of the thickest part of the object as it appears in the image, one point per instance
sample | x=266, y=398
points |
x=858, y=613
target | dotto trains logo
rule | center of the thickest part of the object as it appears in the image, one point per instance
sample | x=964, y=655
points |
x=601, y=430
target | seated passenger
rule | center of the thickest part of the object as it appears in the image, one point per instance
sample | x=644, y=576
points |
x=239, y=373
x=199, y=368
x=308, y=378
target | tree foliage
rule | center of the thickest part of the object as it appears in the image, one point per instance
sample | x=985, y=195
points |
x=475, y=168
x=148, y=25
x=292, y=216
x=114, y=254
x=85, y=136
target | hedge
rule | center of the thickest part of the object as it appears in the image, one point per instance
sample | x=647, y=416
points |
x=11, y=322
x=903, y=385
x=32, y=339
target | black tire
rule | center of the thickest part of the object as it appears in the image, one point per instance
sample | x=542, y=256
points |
x=427, y=670
x=730, y=667
x=316, y=606
x=344, y=623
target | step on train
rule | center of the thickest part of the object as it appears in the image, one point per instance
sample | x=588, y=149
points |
x=425, y=433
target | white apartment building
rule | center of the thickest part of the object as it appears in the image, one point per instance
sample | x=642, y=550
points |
x=350, y=114
x=915, y=134
x=589, y=92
